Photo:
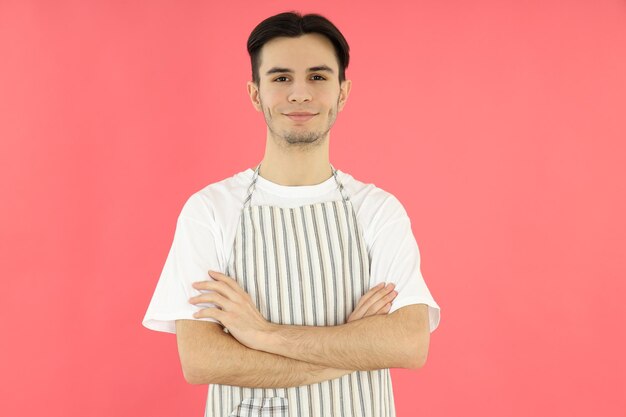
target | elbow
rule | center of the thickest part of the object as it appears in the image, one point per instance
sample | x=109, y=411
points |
x=195, y=375
x=418, y=361
x=191, y=377
x=418, y=352
x=197, y=363
x=414, y=332
x=188, y=365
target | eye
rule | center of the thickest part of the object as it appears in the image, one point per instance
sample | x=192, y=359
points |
x=321, y=78
x=278, y=78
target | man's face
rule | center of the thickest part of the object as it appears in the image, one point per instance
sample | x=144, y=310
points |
x=299, y=75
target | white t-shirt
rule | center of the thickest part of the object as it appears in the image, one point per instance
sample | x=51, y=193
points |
x=206, y=227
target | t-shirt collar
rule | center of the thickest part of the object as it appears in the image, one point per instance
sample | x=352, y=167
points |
x=292, y=191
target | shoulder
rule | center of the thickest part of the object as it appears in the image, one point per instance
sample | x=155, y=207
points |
x=210, y=204
x=376, y=209
x=372, y=203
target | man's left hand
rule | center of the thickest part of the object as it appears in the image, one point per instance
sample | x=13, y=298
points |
x=235, y=310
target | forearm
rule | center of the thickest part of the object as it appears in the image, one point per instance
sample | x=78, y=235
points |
x=218, y=358
x=371, y=343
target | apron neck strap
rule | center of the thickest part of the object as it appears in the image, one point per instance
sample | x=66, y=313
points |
x=255, y=175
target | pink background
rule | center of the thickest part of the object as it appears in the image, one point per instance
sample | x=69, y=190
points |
x=499, y=125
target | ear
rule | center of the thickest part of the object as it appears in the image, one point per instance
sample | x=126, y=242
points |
x=253, y=92
x=344, y=92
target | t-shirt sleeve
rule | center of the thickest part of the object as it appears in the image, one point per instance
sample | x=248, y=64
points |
x=395, y=258
x=193, y=253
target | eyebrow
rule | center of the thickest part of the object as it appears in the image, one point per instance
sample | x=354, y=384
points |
x=290, y=71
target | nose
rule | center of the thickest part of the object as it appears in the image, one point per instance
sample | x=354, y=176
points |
x=299, y=93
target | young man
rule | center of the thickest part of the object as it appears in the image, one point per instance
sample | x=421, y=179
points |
x=274, y=284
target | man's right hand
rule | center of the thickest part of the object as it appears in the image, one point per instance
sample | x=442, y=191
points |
x=375, y=301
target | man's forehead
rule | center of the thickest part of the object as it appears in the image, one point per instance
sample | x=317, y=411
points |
x=303, y=53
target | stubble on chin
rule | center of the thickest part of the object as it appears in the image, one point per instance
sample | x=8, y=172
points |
x=299, y=140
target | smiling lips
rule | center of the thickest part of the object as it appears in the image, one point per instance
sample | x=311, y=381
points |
x=300, y=116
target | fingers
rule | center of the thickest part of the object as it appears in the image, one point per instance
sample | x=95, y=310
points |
x=222, y=284
x=369, y=294
x=212, y=313
x=374, y=303
x=218, y=287
x=218, y=276
x=383, y=305
x=383, y=310
x=212, y=298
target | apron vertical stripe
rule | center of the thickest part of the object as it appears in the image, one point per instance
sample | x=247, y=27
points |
x=277, y=272
x=311, y=300
x=288, y=257
x=337, y=307
x=347, y=283
x=322, y=272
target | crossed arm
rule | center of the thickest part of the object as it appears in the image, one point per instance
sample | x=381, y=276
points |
x=210, y=356
x=397, y=340
x=258, y=353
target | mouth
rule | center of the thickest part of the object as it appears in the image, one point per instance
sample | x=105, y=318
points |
x=300, y=116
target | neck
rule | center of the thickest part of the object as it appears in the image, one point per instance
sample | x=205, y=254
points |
x=296, y=165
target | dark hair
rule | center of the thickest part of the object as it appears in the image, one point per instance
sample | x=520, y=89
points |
x=293, y=24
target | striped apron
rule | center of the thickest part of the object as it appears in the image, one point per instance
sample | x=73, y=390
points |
x=305, y=266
